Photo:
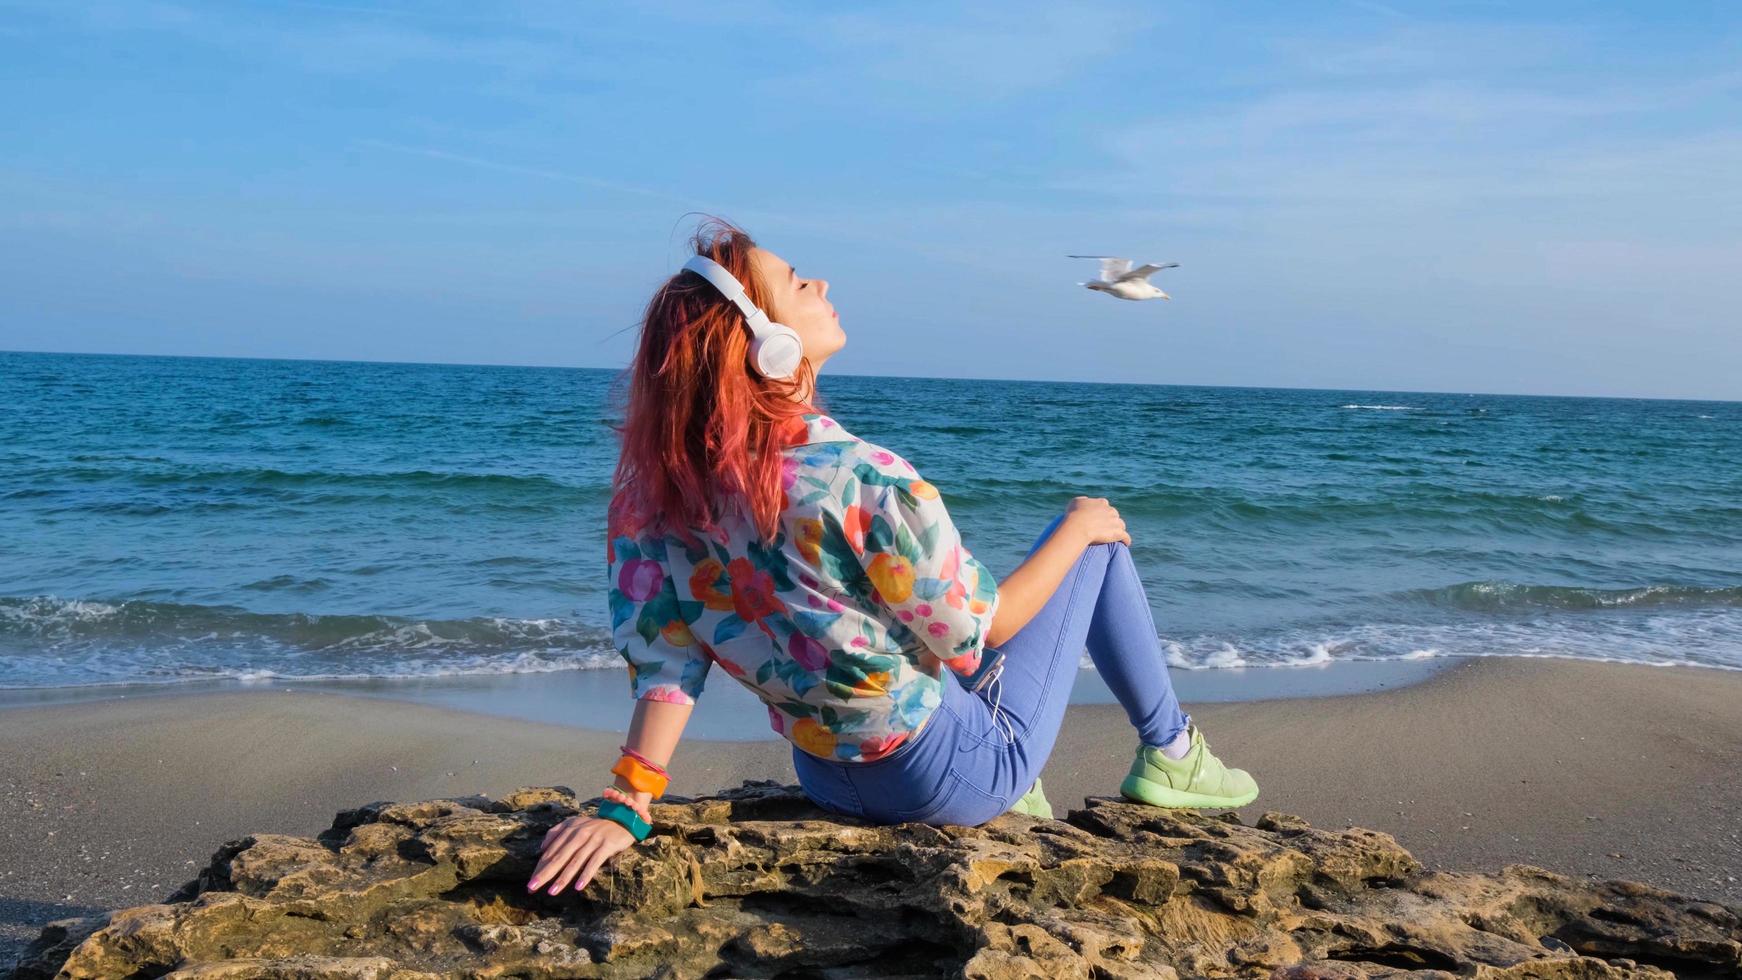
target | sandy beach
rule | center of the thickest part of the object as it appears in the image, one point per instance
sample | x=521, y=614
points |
x=1595, y=769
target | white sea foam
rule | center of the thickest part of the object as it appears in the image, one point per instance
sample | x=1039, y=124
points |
x=1655, y=625
x=1227, y=656
x=1387, y=408
x=1176, y=655
x=119, y=671
x=1318, y=653
x=40, y=610
x=1709, y=636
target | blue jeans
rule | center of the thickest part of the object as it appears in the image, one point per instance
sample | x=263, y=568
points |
x=963, y=768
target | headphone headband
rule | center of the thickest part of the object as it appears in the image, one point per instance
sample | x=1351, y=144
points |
x=733, y=290
x=775, y=349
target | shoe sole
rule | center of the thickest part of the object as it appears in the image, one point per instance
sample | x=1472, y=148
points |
x=1155, y=794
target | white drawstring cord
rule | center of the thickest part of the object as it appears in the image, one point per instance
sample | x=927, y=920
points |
x=997, y=714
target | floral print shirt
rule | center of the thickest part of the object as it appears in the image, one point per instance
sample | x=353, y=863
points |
x=830, y=625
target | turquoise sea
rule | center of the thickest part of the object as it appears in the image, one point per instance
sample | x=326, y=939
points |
x=174, y=519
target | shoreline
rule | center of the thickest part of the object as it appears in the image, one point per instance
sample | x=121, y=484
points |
x=726, y=710
x=1600, y=770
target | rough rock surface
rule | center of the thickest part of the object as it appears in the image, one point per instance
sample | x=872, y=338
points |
x=757, y=882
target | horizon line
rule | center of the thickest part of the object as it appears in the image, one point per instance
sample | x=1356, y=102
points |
x=916, y=377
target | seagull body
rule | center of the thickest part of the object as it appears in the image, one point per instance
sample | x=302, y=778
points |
x=1119, y=279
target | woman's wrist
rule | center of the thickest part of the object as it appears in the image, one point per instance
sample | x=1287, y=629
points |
x=641, y=799
x=630, y=818
x=628, y=800
x=1073, y=534
x=641, y=774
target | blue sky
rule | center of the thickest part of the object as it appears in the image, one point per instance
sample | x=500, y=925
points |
x=1539, y=198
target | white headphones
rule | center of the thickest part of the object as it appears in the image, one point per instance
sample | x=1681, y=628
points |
x=775, y=348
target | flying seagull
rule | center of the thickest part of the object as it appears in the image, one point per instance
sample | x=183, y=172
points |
x=1119, y=279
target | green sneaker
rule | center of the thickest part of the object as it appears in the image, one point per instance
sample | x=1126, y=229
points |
x=1197, y=780
x=1033, y=803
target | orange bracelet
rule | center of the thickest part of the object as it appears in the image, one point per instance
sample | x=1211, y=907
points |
x=641, y=776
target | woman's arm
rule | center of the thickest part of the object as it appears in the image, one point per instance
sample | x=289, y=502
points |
x=582, y=843
x=653, y=731
x=1023, y=592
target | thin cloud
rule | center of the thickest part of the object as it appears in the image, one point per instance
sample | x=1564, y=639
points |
x=828, y=231
x=1384, y=10
x=542, y=173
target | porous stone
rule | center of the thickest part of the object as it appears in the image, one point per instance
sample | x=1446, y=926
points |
x=758, y=882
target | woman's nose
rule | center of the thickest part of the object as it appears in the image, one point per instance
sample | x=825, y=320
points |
x=823, y=287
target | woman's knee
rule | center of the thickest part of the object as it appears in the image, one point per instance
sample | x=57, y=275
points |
x=1105, y=553
x=1053, y=525
x=1114, y=552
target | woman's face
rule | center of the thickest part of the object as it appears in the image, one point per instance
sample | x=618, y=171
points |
x=801, y=304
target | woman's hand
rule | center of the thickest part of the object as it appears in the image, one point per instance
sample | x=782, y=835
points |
x=1095, y=521
x=577, y=846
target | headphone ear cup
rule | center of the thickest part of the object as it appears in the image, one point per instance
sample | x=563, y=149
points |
x=778, y=352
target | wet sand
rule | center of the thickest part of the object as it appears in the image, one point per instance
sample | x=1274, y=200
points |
x=1604, y=770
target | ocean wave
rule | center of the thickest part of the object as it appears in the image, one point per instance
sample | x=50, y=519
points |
x=48, y=641
x=963, y=430
x=205, y=477
x=1712, y=638
x=1500, y=596
x=70, y=640
x=1386, y=408
x=54, y=618
x=1415, y=508
x=121, y=671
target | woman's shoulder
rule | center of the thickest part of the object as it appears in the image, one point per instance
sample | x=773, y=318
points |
x=856, y=458
x=837, y=468
x=884, y=461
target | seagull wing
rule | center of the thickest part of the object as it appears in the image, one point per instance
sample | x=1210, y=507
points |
x=1111, y=268
x=1146, y=270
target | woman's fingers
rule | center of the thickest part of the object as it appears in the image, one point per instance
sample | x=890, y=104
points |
x=552, y=868
x=587, y=842
x=556, y=835
x=557, y=841
x=547, y=868
x=553, y=836
x=573, y=852
x=548, y=851
x=600, y=855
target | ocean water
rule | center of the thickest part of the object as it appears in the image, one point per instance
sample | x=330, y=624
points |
x=176, y=519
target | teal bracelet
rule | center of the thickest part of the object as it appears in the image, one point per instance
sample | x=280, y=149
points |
x=626, y=815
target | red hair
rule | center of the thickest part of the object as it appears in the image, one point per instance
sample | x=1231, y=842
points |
x=701, y=432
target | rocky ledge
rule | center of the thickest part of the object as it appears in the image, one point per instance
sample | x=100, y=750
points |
x=757, y=882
